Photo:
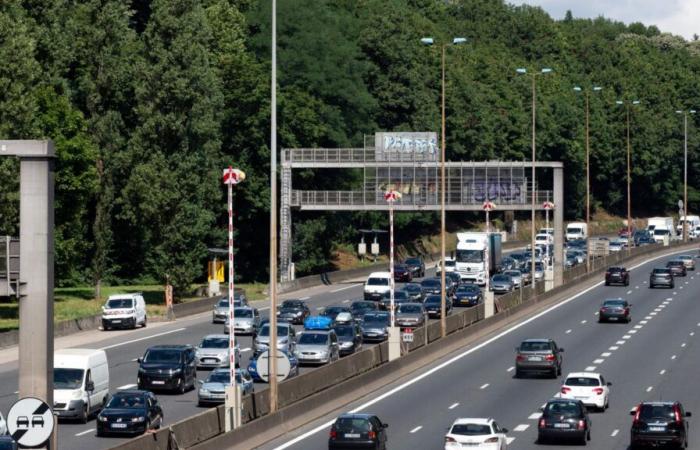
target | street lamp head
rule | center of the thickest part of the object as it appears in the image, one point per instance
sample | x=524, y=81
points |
x=619, y=102
x=546, y=70
x=597, y=88
x=678, y=111
x=636, y=102
x=577, y=88
x=521, y=70
x=459, y=40
x=692, y=111
x=427, y=41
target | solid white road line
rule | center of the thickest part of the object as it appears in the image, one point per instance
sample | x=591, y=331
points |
x=82, y=433
x=304, y=298
x=614, y=433
x=484, y=386
x=120, y=344
x=416, y=428
x=344, y=288
x=453, y=406
x=522, y=427
x=126, y=386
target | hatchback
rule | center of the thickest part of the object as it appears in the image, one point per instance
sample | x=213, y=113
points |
x=317, y=347
x=677, y=268
x=402, y=273
x=591, y=388
x=615, y=310
x=130, y=412
x=358, y=431
x=661, y=277
x=618, y=275
x=433, y=306
x=400, y=297
x=564, y=420
x=659, y=423
x=212, y=391
x=416, y=266
x=414, y=291
x=476, y=434
x=375, y=326
x=293, y=311
x=538, y=355
x=410, y=315
x=688, y=261
x=349, y=338
x=360, y=307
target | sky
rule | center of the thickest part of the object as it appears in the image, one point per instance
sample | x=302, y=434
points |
x=679, y=17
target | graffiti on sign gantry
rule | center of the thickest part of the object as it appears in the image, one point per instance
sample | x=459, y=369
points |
x=511, y=191
x=405, y=144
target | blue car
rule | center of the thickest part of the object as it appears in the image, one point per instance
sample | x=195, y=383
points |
x=318, y=323
x=253, y=369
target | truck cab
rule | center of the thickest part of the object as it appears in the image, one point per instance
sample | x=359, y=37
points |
x=576, y=230
x=478, y=255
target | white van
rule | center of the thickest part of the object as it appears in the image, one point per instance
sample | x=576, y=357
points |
x=576, y=230
x=80, y=382
x=377, y=286
x=124, y=311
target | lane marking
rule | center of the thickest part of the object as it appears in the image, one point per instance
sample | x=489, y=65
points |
x=614, y=433
x=522, y=427
x=343, y=288
x=416, y=429
x=673, y=357
x=638, y=327
x=346, y=301
x=82, y=433
x=652, y=313
x=692, y=333
x=319, y=308
x=453, y=406
x=484, y=386
x=613, y=348
x=590, y=369
x=510, y=369
x=650, y=388
x=605, y=354
x=509, y=440
x=629, y=292
x=304, y=298
x=683, y=345
x=627, y=336
x=632, y=331
x=164, y=333
x=568, y=331
x=620, y=342
x=534, y=416
x=663, y=371
x=648, y=317
x=247, y=349
x=126, y=386
x=599, y=361
x=583, y=321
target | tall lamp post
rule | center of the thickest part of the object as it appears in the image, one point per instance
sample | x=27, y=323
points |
x=443, y=47
x=685, y=170
x=628, y=105
x=533, y=75
x=272, y=356
x=394, y=344
x=588, y=165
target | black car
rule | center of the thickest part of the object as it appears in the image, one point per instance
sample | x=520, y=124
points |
x=402, y=273
x=433, y=306
x=430, y=286
x=564, y=420
x=7, y=443
x=519, y=259
x=619, y=275
x=333, y=311
x=399, y=297
x=646, y=240
x=293, y=311
x=375, y=326
x=358, y=308
x=358, y=431
x=677, y=268
x=615, y=310
x=639, y=235
x=452, y=281
x=415, y=293
x=416, y=266
x=168, y=367
x=661, y=277
x=659, y=423
x=130, y=412
x=349, y=338
x=507, y=263
x=468, y=295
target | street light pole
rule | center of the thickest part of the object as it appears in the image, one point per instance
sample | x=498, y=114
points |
x=272, y=355
x=629, y=105
x=685, y=171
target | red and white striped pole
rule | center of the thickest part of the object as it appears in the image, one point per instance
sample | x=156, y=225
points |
x=231, y=177
x=391, y=197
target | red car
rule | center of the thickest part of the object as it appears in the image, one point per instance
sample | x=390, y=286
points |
x=402, y=273
x=619, y=275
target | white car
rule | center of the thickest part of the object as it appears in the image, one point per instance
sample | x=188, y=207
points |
x=377, y=286
x=476, y=434
x=3, y=425
x=591, y=388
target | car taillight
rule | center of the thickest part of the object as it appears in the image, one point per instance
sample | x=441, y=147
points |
x=581, y=424
x=598, y=391
x=520, y=358
x=541, y=424
x=565, y=390
x=372, y=435
x=627, y=311
x=449, y=439
x=677, y=412
x=550, y=357
x=491, y=440
x=636, y=415
x=603, y=309
x=333, y=434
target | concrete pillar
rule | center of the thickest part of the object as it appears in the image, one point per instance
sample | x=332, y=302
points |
x=558, y=173
x=36, y=274
x=489, y=304
x=395, y=341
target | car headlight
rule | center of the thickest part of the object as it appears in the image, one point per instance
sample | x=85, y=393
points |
x=298, y=313
x=203, y=391
x=77, y=395
x=346, y=344
x=223, y=355
x=138, y=419
x=175, y=371
x=102, y=418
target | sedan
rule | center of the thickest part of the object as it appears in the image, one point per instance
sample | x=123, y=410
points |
x=130, y=412
x=416, y=266
x=661, y=277
x=501, y=284
x=293, y=311
x=615, y=310
x=402, y=273
x=618, y=275
x=468, y=295
x=410, y=315
x=564, y=420
x=212, y=391
x=477, y=434
x=415, y=293
x=433, y=306
x=360, y=307
x=516, y=276
x=688, y=261
x=677, y=268
x=591, y=388
x=358, y=431
x=431, y=286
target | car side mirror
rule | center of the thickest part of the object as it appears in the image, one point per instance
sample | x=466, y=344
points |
x=200, y=381
x=139, y=360
x=561, y=350
x=385, y=425
x=608, y=384
x=504, y=430
x=688, y=414
x=633, y=411
x=90, y=386
x=541, y=409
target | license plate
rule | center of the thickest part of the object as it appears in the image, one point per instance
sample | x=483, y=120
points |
x=158, y=382
x=118, y=425
x=534, y=358
x=352, y=435
x=209, y=360
x=612, y=318
x=371, y=334
x=657, y=428
x=562, y=425
x=116, y=321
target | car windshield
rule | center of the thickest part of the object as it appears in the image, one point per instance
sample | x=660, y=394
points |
x=501, y=278
x=539, y=266
x=119, y=303
x=349, y=425
x=582, y=381
x=468, y=288
x=222, y=377
x=573, y=230
x=344, y=331
x=214, y=343
x=470, y=256
x=661, y=232
x=674, y=263
x=432, y=300
x=400, y=295
x=535, y=347
x=282, y=331
x=614, y=303
x=410, y=309
x=471, y=429
x=292, y=304
x=656, y=412
x=374, y=318
x=562, y=409
x=361, y=306
x=512, y=273
x=313, y=338
x=67, y=378
x=162, y=355
x=662, y=271
x=413, y=261
x=127, y=401
x=222, y=304
x=616, y=269
x=400, y=267
x=450, y=263
x=412, y=287
x=378, y=282
x=334, y=310
x=430, y=282
x=242, y=313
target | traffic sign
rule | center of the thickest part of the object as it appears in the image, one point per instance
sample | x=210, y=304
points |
x=392, y=196
x=680, y=204
x=233, y=176
x=488, y=206
x=283, y=366
x=407, y=335
x=30, y=422
x=548, y=205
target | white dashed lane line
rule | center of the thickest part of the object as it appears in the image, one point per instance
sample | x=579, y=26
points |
x=583, y=322
x=590, y=369
x=650, y=388
x=126, y=386
x=614, y=433
x=453, y=406
x=568, y=331
x=521, y=427
x=534, y=416
x=663, y=371
x=613, y=348
x=509, y=440
x=82, y=433
x=599, y=361
x=673, y=357
x=510, y=369
x=484, y=386
x=416, y=428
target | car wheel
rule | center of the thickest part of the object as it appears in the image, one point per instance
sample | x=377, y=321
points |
x=607, y=284
x=84, y=415
x=518, y=373
x=182, y=388
x=145, y=321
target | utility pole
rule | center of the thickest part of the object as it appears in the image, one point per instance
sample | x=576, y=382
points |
x=272, y=359
x=685, y=171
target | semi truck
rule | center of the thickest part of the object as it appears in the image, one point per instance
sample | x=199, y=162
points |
x=693, y=222
x=478, y=255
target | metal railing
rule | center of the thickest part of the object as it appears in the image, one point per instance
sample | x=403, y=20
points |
x=352, y=155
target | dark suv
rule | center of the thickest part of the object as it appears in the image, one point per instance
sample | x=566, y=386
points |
x=538, y=355
x=416, y=266
x=617, y=275
x=168, y=367
x=661, y=276
x=564, y=419
x=659, y=423
x=677, y=268
x=358, y=431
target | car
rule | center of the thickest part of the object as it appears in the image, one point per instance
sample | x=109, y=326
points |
x=213, y=351
x=501, y=284
x=640, y=234
x=293, y=311
x=349, y=338
x=688, y=261
x=618, y=275
x=467, y=295
x=399, y=298
x=317, y=347
x=661, y=276
x=7, y=443
x=220, y=312
x=358, y=431
x=564, y=420
x=539, y=270
x=360, y=307
x=168, y=367
x=414, y=291
x=375, y=326
x=507, y=263
x=516, y=277
x=615, y=310
x=659, y=423
x=645, y=240
x=476, y=434
x=253, y=365
x=538, y=355
x=246, y=320
x=519, y=259
x=212, y=390
x=452, y=281
x=130, y=412
x=124, y=311
x=343, y=318
x=416, y=265
x=589, y=387
x=402, y=273
x=433, y=306
x=450, y=266
x=410, y=315
x=377, y=285
x=333, y=311
x=285, y=337
x=677, y=267
x=318, y=323
x=431, y=286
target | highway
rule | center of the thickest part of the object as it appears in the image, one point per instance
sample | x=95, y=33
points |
x=656, y=356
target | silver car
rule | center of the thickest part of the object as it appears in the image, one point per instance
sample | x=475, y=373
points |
x=317, y=347
x=410, y=315
x=285, y=338
x=516, y=276
x=220, y=313
x=501, y=284
x=213, y=390
x=214, y=352
x=246, y=320
x=688, y=261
